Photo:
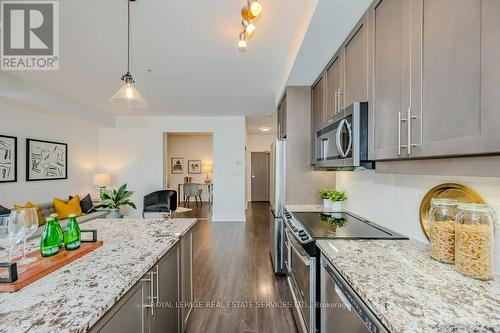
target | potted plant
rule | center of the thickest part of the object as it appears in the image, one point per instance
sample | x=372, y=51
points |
x=115, y=199
x=327, y=203
x=337, y=197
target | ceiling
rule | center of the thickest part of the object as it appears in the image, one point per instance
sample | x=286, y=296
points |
x=190, y=46
x=184, y=54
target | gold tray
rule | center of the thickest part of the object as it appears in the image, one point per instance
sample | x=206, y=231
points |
x=446, y=191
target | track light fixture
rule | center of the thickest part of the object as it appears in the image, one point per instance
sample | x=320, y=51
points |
x=249, y=13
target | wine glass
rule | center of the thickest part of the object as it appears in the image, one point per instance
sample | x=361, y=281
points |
x=29, y=218
x=11, y=232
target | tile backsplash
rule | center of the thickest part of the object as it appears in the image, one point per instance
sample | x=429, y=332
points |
x=393, y=200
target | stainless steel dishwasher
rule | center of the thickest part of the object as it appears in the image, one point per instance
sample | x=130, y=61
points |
x=341, y=309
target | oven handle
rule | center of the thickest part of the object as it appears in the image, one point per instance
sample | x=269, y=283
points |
x=301, y=254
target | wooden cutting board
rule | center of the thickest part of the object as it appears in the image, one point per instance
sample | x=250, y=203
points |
x=43, y=266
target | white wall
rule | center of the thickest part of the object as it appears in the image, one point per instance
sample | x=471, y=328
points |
x=133, y=153
x=189, y=147
x=82, y=140
x=255, y=143
x=394, y=200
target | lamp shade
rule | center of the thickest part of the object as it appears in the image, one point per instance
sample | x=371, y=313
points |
x=102, y=179
x=129, y=97
x=207, y=168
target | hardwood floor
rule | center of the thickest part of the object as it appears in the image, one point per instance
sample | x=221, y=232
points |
x=203, y=211
x=233, y=278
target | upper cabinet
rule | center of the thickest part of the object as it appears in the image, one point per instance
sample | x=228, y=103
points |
x=333, y=87
x=355, y=65
x=452, y=109
x=429, y=70
x=387, y=65
x=431, y=94
x=318, y=103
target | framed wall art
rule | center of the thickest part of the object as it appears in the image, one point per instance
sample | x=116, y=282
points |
x=46, y=160
x=8, y=159
x=194, y=166
x=177, y=165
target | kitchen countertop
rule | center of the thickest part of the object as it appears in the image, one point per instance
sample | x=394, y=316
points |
x=75, y=296
x=304, y=208
x=410, y=292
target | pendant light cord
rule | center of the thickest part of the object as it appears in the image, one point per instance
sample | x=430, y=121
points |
x=128, y=38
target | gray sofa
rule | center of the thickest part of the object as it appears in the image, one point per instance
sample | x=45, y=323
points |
x=48, y=208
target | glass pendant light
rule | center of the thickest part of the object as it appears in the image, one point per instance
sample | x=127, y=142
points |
x=127, y=96
x=255, y=7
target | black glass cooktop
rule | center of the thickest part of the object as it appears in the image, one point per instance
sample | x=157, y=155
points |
x=342, y=225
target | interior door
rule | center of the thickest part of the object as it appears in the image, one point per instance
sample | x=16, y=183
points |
x=260, y=176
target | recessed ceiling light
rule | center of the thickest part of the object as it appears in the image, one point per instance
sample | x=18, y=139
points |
x=265, y=129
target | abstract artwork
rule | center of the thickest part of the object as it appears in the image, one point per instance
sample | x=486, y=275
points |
x=177, y=165
x=8, y=159
x=194, y=166
x=46, y=160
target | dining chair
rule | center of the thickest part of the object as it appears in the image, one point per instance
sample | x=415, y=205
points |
x=191, y=190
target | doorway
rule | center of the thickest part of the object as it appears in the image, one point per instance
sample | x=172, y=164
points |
x=259, y=176
x=188, y=170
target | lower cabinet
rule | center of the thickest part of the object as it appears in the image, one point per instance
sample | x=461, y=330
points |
x=186, y=279
x=160, y=302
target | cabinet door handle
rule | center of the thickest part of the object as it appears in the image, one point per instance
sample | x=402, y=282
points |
x=399, y=133
x=336, y=103
x=409, y=131
x=157, y=283
x=151, y=294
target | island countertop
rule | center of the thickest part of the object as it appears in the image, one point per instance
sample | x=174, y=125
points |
x=410, y=292
x=74, y=297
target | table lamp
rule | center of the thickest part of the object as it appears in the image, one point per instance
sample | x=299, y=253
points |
x=102, y=180
x=207, y=168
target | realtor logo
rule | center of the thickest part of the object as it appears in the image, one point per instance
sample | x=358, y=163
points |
x=30, y=35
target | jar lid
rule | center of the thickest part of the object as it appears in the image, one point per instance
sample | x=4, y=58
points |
x=476, y=208
x=444, y=202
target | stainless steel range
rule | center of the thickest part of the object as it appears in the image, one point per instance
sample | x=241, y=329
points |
x=301, y=256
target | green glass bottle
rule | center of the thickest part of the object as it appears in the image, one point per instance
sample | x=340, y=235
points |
x=59, y=229
x=72, y=238
x=49, y=243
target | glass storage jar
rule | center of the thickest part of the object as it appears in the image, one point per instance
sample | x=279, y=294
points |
x=474, y=238
x=442, y=229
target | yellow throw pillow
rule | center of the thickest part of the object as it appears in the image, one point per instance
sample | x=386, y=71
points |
x=63, y=209
x=28, y=204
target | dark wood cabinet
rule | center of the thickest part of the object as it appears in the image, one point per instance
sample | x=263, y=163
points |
x=451, y=110
x=354, y=53
x=153, y=304
x=186, y=279
x=334, y=94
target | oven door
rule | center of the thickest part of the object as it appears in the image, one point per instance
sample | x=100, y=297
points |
x=302, y=282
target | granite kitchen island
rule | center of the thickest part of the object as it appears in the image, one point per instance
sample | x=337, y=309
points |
x=83, y=293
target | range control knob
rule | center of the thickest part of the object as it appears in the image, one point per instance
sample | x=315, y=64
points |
x=302, y=233
x=304, y=237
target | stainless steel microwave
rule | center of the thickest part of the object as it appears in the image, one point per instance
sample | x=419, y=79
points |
x=342, y=142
